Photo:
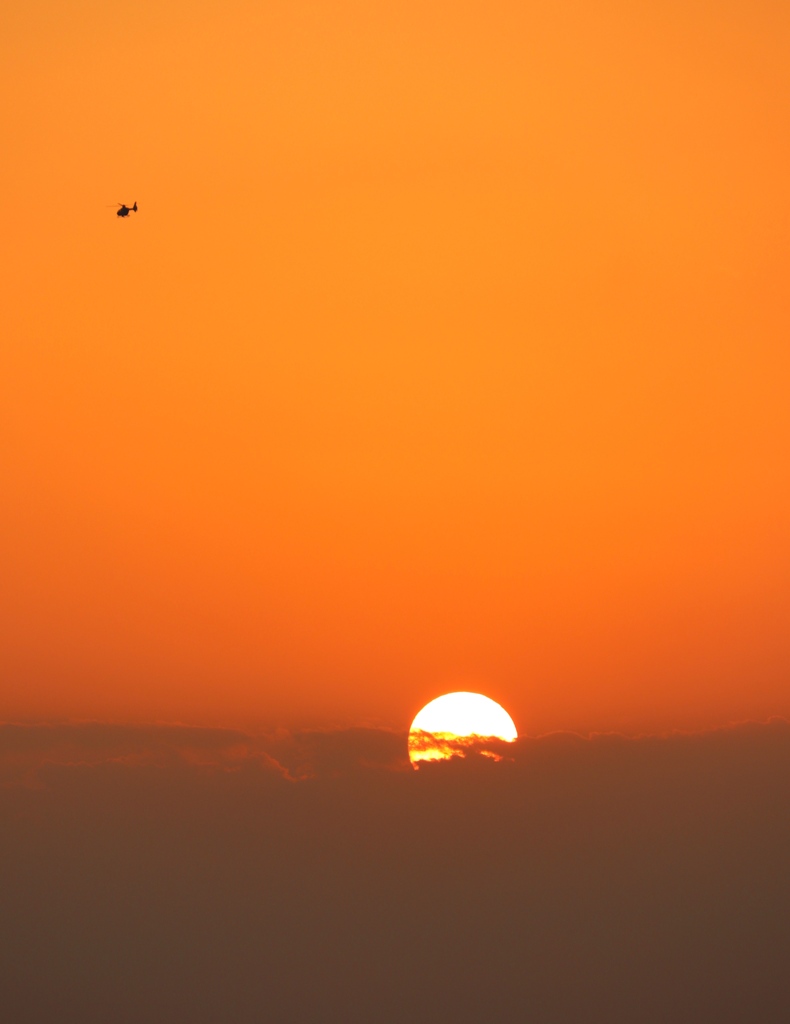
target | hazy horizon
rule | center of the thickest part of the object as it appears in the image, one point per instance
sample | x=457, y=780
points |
x=155, y=875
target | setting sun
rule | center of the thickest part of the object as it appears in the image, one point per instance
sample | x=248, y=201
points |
x=449, y=723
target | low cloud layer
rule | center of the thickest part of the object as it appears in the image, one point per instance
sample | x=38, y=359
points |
x=28, y=752
x=197, y=875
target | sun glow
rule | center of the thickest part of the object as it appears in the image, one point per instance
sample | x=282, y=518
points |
x=455, y=721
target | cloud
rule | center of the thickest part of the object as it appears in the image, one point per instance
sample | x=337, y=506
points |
x=429, y=746
x=305, y=754
x=27, y=751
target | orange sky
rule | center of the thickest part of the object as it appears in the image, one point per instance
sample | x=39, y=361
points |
x=449, y=347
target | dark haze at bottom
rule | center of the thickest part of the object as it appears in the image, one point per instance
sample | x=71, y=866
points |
x=202, y=876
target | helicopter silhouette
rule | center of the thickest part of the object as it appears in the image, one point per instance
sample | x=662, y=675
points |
x=126, y=210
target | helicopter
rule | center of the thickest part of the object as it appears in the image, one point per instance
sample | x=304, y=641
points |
x=126, y=210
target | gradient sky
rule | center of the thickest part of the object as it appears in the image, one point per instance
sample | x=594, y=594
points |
x=448, y=348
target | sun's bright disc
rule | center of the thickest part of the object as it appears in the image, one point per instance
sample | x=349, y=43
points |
x=445, y=725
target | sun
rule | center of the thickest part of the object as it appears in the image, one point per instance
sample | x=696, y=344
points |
x=449, y=723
